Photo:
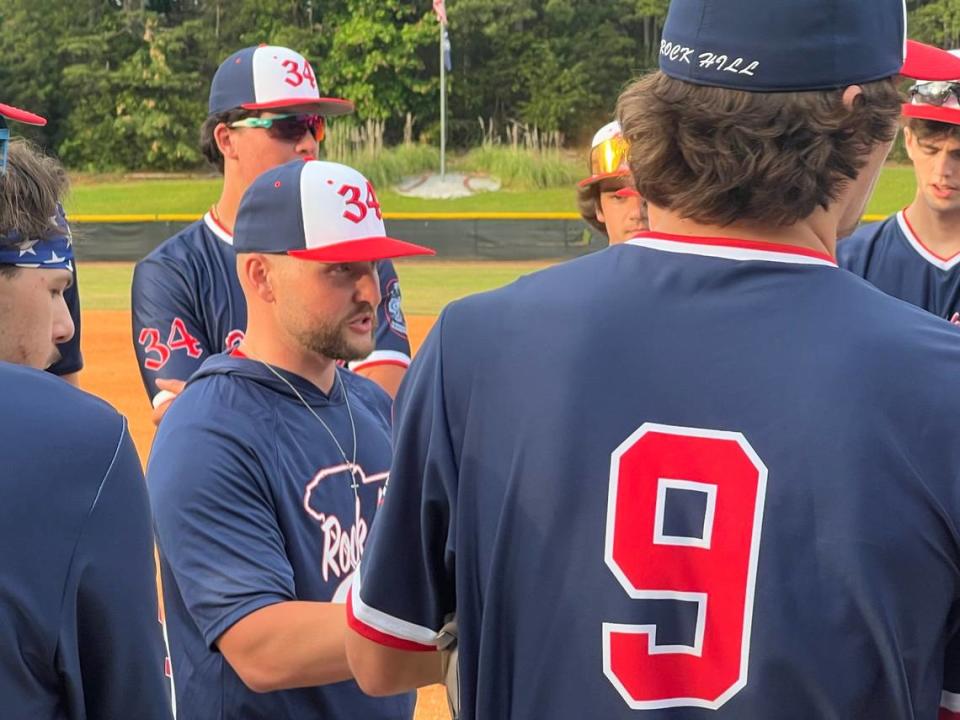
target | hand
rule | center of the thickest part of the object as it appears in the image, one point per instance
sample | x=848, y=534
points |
x=174, y=388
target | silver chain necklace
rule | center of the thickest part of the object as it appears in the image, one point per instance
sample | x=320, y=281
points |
x=352, y=464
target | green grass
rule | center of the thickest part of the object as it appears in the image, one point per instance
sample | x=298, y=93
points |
x=193, y=196
x=105, y=285
x=894, y=190
x=427, y=285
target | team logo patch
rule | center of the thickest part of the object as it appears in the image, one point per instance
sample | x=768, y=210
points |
x=395, y=319
x=343, y=538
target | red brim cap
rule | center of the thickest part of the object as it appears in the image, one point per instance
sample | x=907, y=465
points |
x=12, y=113
x=604, y=176
x=931, y=112
x=362, y=250
x=925, y=62
x=328, y=107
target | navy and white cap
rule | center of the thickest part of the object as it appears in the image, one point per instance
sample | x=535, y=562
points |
x=795, y=45
x=316, y=210
x=270, y=77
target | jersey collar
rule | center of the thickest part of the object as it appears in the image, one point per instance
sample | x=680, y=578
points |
x=217, y=229
x=731, y=249
x=922, y=250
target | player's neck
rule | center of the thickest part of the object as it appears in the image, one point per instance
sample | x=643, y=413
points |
x=939, y=231
x=286, y=354
x=817, y=232
x=225, y=209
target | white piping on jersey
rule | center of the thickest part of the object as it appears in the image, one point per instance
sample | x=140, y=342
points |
x=943, y=264
x=213, y=227
x=381, y=356
x=387, y=624
x=950, y=701
x=727, y=252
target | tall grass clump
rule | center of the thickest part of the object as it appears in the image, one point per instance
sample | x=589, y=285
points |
x=362, y=147
x=523, y=168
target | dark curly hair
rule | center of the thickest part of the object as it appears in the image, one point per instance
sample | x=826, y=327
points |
x=716, y=155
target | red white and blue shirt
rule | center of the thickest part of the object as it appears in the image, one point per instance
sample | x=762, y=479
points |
x=728, y=488
x=891, y=256
x=188, y=305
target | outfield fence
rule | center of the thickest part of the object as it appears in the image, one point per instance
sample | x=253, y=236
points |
x=455, y=236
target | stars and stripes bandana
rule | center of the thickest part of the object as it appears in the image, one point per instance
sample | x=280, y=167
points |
x=53, y=252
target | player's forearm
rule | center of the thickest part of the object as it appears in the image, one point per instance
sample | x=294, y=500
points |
x=380, y=670
x=288, y=645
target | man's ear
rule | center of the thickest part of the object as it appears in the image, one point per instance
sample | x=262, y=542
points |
x=850, y=95
x=256, y=271
x=225, y=141
x=909, y=142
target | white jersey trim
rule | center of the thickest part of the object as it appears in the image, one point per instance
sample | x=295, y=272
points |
x=388, y=624
x=922, y=251
x=381, y=357
x=727, y=252
x=950, y=701
x=216, y=229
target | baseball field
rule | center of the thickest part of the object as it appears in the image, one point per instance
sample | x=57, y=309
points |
x=111, y=370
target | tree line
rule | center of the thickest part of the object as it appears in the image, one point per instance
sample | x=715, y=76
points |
x=124, y=83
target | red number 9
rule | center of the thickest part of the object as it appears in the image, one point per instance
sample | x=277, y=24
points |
x=717, y=570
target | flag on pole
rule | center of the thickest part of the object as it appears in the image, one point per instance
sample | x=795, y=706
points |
x=440, y=8
x=447, y=61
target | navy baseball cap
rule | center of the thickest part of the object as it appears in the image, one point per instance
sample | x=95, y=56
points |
x=316, y=210
x=270, y=77
x=795, y=45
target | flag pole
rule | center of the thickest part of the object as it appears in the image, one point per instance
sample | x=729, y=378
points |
x=443, y=107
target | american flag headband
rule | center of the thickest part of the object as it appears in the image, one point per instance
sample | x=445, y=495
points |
x=53, y=252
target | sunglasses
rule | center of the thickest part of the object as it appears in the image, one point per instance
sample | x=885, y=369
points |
x=290, y=127
x=610, y=157
x=936, y=93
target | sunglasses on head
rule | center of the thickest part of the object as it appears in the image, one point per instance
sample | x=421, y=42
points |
x=610, y=157
x=289, y=127
x=936, y=93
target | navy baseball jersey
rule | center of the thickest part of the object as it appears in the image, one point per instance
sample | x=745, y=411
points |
x=254, y=506
x=188, y=305
x=890, y=255
x=727, y=489
x=79, y=630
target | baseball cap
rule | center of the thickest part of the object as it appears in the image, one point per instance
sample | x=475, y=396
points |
x=796, y=45
x=316, y=210
x=935, y=100
x=608, y=155
x=270, y=77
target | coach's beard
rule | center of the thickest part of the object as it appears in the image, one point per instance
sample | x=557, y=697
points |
x=334, y=341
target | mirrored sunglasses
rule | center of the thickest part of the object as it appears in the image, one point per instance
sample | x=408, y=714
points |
x=610, y=157
x=289, y=127
x=936, y=93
